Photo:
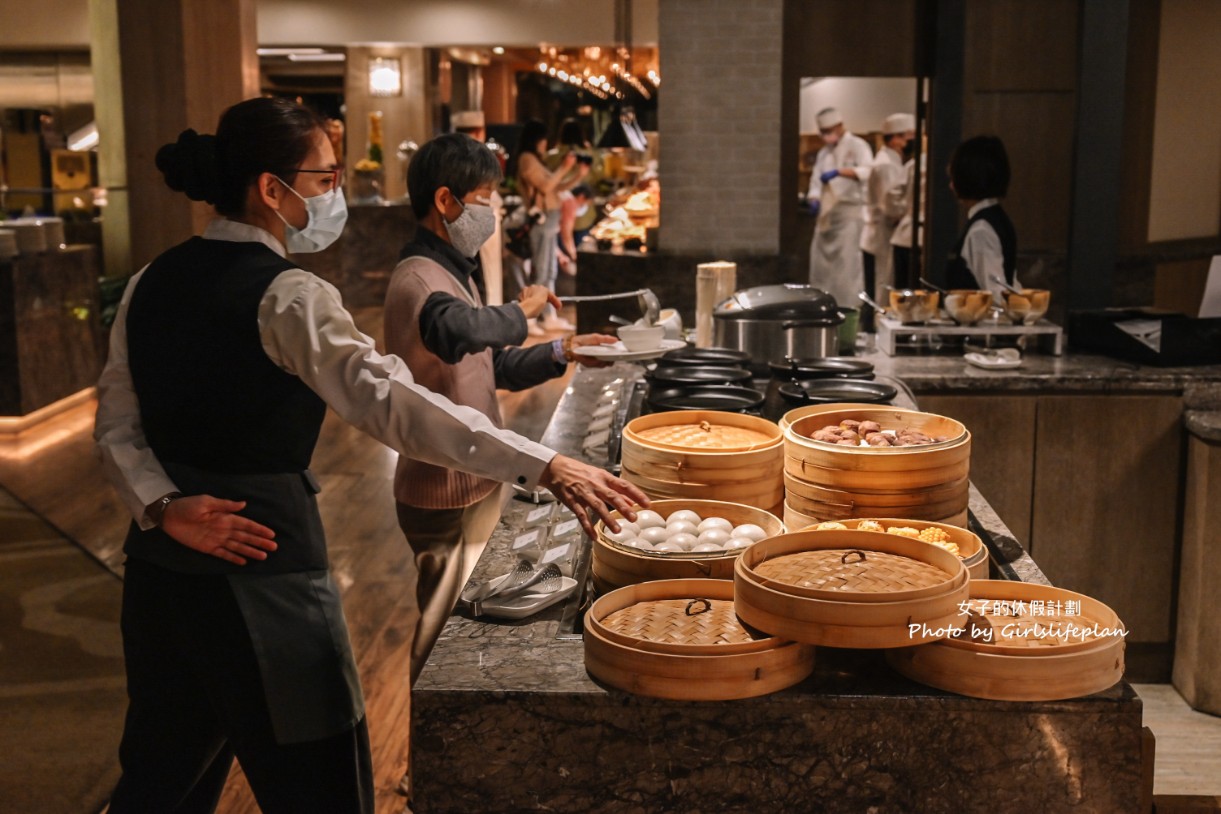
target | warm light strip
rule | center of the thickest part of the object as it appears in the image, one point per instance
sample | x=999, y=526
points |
x=15, y=425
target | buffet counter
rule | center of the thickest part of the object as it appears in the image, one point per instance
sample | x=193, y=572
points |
x=507, y=719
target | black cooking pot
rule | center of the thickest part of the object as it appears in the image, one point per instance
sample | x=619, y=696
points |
x=723, y=357
x=697, y=374
x=832, y=391
x=731, y=398
x=830, y=367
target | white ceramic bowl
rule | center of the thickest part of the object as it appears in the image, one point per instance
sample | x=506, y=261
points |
x=640, y=337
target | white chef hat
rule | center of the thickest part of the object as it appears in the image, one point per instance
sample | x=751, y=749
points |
x=828, y=117
x=898, y=123
x=467, y=119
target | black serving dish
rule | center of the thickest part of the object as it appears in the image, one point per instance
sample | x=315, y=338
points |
x=722, y=357
x=830, y=367
x=698, y=374
x=730, y=398
x=831, y=391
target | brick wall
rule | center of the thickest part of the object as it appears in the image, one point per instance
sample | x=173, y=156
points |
x=719, y=113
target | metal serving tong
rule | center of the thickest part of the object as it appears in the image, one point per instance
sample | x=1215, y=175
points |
x=650, y=306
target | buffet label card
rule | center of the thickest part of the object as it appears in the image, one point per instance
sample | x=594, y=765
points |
x=565, y=528
x=541, y=513
x=525, y=539
x=555, y=553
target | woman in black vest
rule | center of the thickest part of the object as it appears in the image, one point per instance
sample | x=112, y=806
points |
x=224, y=357
x=987, y=248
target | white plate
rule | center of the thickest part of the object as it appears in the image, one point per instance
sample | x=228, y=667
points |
x=618, y=353
x=519, y=607
x=1003, y=360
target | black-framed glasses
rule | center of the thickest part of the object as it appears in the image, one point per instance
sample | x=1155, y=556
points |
x=336, y=174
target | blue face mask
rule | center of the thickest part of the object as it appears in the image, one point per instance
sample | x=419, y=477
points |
x=327, y=213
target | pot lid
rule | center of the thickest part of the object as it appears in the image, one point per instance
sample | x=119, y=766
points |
x=831, y=391
x=698, y=374
x=827, y=367
x=783, y=301
x=706, y=356
x=726, y=397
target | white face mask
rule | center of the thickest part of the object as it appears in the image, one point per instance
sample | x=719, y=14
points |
x=327, y=214
x=472, y=228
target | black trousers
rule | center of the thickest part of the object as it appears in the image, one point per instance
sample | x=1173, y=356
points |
x=196, y=701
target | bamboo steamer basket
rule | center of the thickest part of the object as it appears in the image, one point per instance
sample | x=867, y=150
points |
x=681, y=640
x=748, y=472
x=797, y=520
x=832, y=482
x=838, y=506
x=1023, y=667
x=614, y=565
x=971, y=549
x=854, y=589
x=814, y=409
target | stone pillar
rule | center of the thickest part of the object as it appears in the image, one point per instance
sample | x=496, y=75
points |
x=719, y=116
x=403, y=117
x=161, y=66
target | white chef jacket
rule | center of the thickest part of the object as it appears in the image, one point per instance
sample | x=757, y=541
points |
x=305, y=330
x=904, y=198
x=884, y=201
x=981, y=249
x=852, y=152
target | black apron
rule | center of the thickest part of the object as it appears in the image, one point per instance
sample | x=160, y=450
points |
x=289, y=601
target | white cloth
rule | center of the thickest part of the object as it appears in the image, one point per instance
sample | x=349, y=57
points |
x=904, y=199
x=305, y=330
x=884, y=202
x=981, y=249
x=836, y=266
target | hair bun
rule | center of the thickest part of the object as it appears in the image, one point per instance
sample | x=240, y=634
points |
x=190, y=166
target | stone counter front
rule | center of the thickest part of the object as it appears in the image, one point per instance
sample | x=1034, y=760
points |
x=506, y=719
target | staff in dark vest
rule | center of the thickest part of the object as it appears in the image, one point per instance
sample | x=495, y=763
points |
x=224, y=357
x=987, y=248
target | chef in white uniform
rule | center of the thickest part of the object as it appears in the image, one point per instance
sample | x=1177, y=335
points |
x=837, y=196
x=885, y=203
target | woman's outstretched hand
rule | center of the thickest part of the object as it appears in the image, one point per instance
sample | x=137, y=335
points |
x=588, y=490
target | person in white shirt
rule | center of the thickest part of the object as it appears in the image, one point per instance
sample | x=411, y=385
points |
x=837, y=196
x=224, y=359
x=885, y=204
x=986, y=253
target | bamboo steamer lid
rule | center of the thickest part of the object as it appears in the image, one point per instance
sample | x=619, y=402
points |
x=705, y=454
x=856, y=589
x=681, y=639
x=702, y=430
x=1021, y=652
x=971, y=549
x=615, y=565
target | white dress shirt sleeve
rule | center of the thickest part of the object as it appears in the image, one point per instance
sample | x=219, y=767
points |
x=981, y=249
x=307, y=332
x=129, y=464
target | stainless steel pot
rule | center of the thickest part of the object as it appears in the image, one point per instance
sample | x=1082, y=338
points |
x=778, y=321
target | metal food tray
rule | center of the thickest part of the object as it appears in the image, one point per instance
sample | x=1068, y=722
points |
x=890, y=330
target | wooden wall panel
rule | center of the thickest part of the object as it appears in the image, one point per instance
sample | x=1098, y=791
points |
x=1037, y=129
x=1106, y=502
x=1002, y=450
x=1022, y=45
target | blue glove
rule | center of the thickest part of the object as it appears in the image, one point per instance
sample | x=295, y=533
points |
x=828, y=175
x=815, y=205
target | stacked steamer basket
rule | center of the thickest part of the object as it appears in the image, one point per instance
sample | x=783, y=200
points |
x=955, y=539
x=854, y=589
x=832, y=481
x=680, y=639
x=1023, y=642
x=706, y=454
x=615, y=564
